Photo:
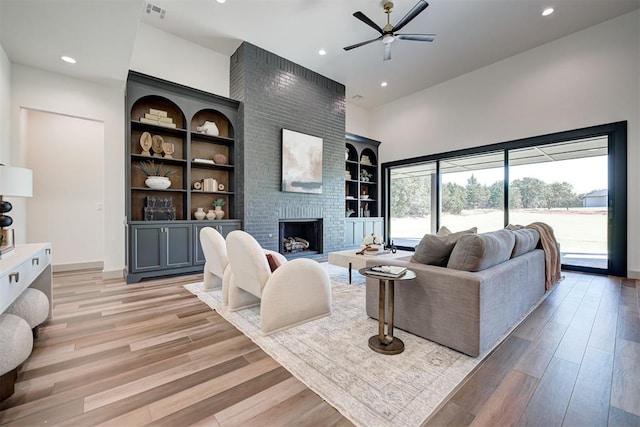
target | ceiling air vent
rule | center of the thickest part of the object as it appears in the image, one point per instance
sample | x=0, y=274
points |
x=153, y=9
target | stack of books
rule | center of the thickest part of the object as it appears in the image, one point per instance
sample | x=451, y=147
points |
x=209, y=184
x=158, y=117
x=387, y=270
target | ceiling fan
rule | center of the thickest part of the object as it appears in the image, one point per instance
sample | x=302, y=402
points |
x=388, y=32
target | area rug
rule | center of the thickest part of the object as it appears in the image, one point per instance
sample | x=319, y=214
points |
x=331, y=356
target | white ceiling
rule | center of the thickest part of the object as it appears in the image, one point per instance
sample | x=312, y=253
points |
x=470, y=34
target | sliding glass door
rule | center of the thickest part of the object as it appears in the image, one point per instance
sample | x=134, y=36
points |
x=472, y=192
x=412, y=198
x=575, y=181
x=566, y=186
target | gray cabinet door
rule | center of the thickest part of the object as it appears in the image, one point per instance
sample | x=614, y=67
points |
x=146, y=248
x=158, y=247
x=223, y=228
x=356, y=228
x=178, y=246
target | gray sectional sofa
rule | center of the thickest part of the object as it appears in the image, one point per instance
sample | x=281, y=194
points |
x=490, y=281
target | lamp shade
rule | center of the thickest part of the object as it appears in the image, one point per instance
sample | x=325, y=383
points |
x=16, y=182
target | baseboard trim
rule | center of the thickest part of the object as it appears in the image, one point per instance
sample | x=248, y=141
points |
x=631, y=274
x=113, y=274
x=93, y=265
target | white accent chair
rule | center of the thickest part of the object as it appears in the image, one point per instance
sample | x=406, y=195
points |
x=215, y=254
x=296, y=292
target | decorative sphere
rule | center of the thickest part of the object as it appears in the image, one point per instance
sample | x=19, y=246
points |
x=5, y=221
x=5, y=206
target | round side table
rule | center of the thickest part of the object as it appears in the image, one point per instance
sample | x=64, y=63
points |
x=386, y=343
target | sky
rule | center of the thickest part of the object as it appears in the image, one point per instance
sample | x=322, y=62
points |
x=586, y=174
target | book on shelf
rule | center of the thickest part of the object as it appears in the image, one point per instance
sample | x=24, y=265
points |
x=207, y=161
x=387, y=270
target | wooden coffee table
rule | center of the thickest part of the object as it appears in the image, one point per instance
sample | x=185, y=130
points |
x=386, y=343
x=349, y=259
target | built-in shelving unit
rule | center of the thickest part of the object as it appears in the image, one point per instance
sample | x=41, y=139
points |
x=171, y=246
x=361, y=189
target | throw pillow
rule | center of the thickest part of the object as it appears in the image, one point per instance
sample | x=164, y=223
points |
x=274, y=263
x=526, y=241
x=476, y=252
x=443, y=232
x=434, y=249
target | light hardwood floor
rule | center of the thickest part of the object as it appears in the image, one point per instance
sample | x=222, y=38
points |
x=152, y=353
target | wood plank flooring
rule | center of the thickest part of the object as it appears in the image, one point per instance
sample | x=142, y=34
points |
x=575, y=361
x=152, y=354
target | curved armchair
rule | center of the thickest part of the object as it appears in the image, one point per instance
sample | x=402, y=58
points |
x=296, y=292
x=215, y=254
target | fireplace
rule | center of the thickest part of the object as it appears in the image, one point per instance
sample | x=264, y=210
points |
x=300, y=237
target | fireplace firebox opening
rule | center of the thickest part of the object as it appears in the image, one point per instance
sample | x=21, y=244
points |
x=300, y=237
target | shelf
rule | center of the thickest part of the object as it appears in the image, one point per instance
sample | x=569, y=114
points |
x=368, y=183
x=222, y=193
x=166, y=190
x=157, y=128
x=167, y=160
x=203, y=137
x=211, y=166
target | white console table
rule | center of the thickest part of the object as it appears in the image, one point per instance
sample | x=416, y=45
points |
x=26, y=266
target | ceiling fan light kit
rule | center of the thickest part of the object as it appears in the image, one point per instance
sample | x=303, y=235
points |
x=388, y=33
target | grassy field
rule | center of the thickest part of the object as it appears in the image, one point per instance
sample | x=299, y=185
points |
x=579, y=230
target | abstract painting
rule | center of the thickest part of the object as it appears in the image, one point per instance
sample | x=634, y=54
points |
x=301, y=162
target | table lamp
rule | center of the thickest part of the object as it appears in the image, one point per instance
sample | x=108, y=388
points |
x=14, y=182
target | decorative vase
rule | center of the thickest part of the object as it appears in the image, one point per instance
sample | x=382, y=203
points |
x=211, y=214
x=219, y=212
x=200, y=214
x=158, y=182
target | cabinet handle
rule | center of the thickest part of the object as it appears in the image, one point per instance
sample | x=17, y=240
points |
x=48, y=250
x=14, y=276
x=35, y=261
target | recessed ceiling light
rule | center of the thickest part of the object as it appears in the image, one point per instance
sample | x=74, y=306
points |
x=322, y=52
x=221, y=1
x=548, y=11
x=383, y=84
x=68, y=59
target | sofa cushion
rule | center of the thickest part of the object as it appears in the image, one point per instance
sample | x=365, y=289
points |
x=526, y=241
x=476, y=252
x=434, y=249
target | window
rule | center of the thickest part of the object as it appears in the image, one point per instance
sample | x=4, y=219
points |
x=564, y=185
x=575, y=181
x=412, y=194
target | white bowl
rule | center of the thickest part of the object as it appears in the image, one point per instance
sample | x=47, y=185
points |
x=158, y=182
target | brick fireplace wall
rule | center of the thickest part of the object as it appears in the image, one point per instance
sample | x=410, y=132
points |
x=276, y=94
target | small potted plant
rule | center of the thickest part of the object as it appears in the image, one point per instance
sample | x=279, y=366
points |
x=365, y=176
x=157, y=174
x=217, y=206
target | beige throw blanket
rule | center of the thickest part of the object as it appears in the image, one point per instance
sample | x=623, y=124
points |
x=551, y=253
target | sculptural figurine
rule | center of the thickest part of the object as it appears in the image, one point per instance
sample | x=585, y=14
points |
x=157, y=142
x=168, y=149
x=145, y=143
x=208, y=128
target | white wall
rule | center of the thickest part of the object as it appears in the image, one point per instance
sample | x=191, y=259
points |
x=163, y=55
x=357, y=120
x=67, y=157
x=35, y=89
x=585, y=79
x=5, y=101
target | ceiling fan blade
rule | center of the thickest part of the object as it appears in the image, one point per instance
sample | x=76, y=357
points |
x=353, y=46
x=387, y=52
x=364, y=18
x=419, y=7
x=417, y=37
